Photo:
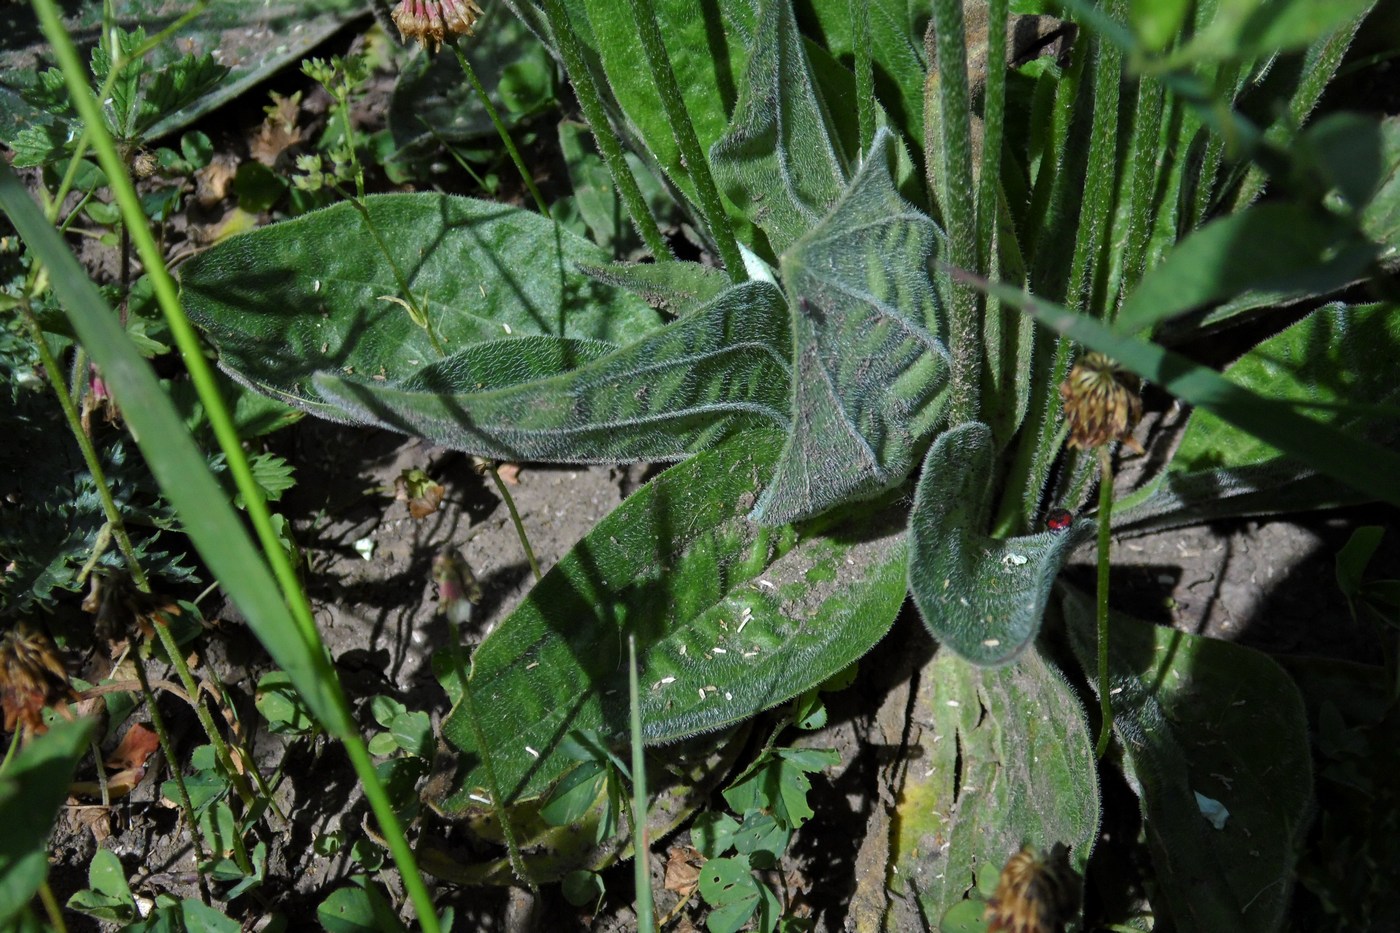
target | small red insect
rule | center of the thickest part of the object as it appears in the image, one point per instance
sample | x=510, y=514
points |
x=1059, y=520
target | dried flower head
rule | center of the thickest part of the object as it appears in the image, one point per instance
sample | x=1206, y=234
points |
x=1034, y=894
x=431, y=21
x=1101, y=403
x=31, y=678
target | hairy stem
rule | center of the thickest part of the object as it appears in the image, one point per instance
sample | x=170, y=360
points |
x=608, y=143
x=710, y=206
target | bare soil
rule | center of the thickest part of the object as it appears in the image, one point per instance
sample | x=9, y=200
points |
x=368, y=570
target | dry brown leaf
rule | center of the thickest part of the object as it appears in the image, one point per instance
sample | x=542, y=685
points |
x=509, y=473
x=139, y=744
x=683, y=869
x=418, y=491
x=279, y=132
x=95, y=819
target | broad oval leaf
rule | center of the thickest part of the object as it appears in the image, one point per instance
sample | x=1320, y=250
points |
x=982, y=597
x=319, y=294
x=1200, y=717
x=731, y=618
x=1006, y=759
x=869, y=371
x=780, y=161
x=676, y=391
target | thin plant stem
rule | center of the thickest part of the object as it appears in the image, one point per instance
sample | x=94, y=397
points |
x=51, y=907
x=683, y=129
x=517, y=862
x=186, y=806
x=994, y=125
x=1101, y=606
x=202, y=376
x=641, y=845
x=211, y=730
x=501, y=130
x=608, y=143
x=94, y=465
x=515, y=519
x=10, y=751
x=418, y=314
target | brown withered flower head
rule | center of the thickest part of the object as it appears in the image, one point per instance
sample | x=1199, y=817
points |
x=1101, y=403
x=31, y=678
x=1035, y=893
x=431, y=21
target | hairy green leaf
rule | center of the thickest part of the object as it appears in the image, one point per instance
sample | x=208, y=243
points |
x=674, y=392
x=730, y=619
x=869, y=369
x=980, y=597
x=707, y=44
x=1006, y=760
x=1200, y=717
x=780, y=161
x=896, y=50
x=318, y=293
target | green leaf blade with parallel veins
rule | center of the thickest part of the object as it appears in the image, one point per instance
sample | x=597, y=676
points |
x=869, y=370
x=730, y=618
x=981, y=597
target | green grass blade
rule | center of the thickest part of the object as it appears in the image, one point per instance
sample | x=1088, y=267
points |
x=1367, y=467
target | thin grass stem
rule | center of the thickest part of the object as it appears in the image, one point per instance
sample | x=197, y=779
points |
x=608, y=144
x=226, y=433
x=641, y=843
x=711, y=208
x=501, y=130
x=517, y=861
x=94, y=465
x=211, y=730
x=168, y=748
x=1105, y=543
x=51, y=907
x=509, y=500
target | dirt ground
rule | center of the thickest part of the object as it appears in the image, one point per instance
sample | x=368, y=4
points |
x=1266, y=583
